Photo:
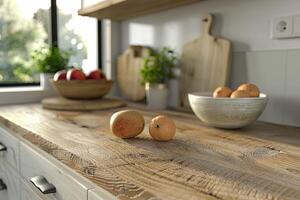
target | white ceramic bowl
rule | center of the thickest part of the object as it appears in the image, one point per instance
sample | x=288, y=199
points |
x=226, y=112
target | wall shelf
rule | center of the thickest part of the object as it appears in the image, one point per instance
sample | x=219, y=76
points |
x=125, y=9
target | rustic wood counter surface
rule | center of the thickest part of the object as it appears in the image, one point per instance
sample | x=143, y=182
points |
x=261, y=161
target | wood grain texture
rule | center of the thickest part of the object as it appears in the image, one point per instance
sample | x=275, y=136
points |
x=60, y=103
x=205, y=63
x=261, y=161
x=124, y=9
x=129, y=75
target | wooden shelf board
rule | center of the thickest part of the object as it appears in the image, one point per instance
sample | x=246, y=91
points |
x=125, y=9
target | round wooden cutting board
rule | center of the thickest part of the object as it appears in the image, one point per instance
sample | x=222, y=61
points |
x=60, y=103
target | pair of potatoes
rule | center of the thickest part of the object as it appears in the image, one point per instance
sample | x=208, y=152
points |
x=130, y=123
x=245, y=90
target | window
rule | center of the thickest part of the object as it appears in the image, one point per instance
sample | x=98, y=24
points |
x=26, y=26
x=77, y=34
x=23, y=28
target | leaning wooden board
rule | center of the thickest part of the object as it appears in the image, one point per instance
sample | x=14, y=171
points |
x=60, y=103
x=205, y=63
x=258, y=162
x=129, y=75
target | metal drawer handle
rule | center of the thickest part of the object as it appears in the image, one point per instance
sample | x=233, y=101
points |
x=2, y=185
x=2, y=147
x=43, y=185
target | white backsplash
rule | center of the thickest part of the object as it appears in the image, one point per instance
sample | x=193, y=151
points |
x=277, y=74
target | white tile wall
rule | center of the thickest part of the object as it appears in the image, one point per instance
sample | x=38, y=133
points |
x=292, y=89
x=238, y=69
x=267, y=70
x=277, y=73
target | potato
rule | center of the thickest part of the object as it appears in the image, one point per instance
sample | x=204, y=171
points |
x=251, y=88
x=222, y=92
x=240, y=94
x=162, y=128
x=127, y=123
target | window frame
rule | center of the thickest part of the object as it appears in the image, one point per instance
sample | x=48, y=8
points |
x=54, y=43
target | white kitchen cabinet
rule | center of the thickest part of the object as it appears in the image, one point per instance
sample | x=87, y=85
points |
x=28, y=192
x=29, y=195
x=100, y=194
x=11, y=180
x=9, y=148
x=20, y=161
x=33, y=164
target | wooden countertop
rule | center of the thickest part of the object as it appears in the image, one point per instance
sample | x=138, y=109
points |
x=261, y=161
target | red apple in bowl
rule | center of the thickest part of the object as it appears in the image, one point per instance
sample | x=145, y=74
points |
x=96, y=75
x=60, y=75
x=75, y=74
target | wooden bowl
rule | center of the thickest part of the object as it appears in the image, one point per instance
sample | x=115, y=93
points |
x=226, y=112
x=83, y=89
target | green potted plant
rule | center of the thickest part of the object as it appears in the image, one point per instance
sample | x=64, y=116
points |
x=156, y=72
x=48, y=61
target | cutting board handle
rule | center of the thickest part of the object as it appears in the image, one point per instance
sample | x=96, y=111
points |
x=207, y=22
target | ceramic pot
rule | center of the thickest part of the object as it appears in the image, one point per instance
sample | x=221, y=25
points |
x=157, y=96
x=45, y=80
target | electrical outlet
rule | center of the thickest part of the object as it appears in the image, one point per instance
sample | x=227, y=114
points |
x=282, y=27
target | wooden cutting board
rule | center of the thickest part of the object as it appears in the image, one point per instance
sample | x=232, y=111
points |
x=129, y=76
x=60, y=103
x=205, y=63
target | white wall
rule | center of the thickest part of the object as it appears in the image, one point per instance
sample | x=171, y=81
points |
x=245, y=22
x=257, y=58
x=276, y=73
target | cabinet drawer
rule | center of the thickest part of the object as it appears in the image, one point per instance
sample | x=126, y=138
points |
x=28, y=192
x=11, y=179
x=11, y=152
x=100, y=194
x=34, y=164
